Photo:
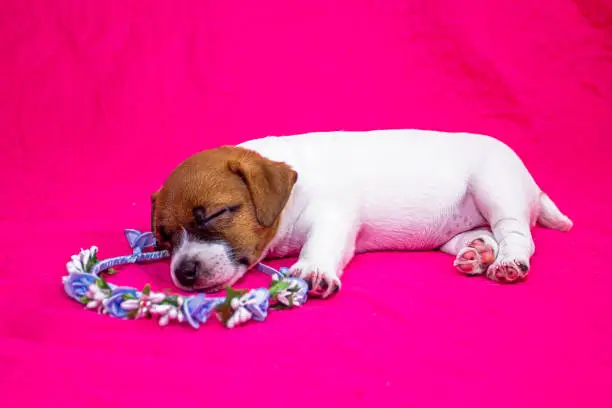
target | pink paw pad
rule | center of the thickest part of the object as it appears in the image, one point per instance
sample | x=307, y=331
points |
x=508, y=271
x=475, y=258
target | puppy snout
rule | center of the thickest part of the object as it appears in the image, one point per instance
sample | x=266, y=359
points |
x=187, y=272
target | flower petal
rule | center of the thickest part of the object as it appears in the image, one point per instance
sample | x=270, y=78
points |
x=130, y=304
x=164, y=320
x=156, y=297
x=160, y=309
x=91, y=304
x=71, y=267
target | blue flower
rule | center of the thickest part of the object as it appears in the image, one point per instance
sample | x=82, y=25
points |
x=77, y=284
x=256, y=302
x=299, y=297
x=295, y=294
x=198, y=308
x=113, y=304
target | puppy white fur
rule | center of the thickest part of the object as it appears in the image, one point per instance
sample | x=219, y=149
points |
x=463, y=193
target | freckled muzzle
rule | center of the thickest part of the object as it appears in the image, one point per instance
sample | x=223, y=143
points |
x=200, y=265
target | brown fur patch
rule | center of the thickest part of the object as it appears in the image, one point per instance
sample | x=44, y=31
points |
x=228, y=177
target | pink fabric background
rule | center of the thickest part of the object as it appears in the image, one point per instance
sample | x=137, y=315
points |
x=99, y=100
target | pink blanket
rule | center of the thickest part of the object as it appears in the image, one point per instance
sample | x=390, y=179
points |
x=99, y=100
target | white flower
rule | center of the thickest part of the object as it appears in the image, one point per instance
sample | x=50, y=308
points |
x=84, y=256
x=96, y=293
x=156, y=297
x=160, y=309
x=164, y=320
x=78, y=263
x=235, y=303
x=146, y=304
x=71, y=267
x=130, y=304
x=96, y=296
x=92, y=304
x=240, y=316
x=167, y=313
x=74, y=265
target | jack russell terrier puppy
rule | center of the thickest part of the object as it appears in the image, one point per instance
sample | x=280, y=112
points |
x=329, y=195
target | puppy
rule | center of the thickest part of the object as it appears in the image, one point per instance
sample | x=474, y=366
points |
x=326, y=196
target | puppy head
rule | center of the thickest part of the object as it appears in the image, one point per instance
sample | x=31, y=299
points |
x=217, y=212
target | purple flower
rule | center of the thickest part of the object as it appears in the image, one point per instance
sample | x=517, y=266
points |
x=77, y=284
x=198, y=308
x=301, y=295
x=113, y=304
x=256, y=302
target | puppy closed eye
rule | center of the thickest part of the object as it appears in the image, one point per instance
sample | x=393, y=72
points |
x=201, y=219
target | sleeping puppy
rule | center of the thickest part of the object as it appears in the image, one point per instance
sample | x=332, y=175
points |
x=326, y=196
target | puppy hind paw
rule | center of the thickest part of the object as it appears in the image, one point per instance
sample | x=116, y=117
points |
x=508, y=270
x=476, y=257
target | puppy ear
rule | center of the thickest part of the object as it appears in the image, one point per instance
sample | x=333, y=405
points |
x=269, y=183
x=153, y=216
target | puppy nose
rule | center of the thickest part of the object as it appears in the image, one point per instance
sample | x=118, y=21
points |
x=187, y=273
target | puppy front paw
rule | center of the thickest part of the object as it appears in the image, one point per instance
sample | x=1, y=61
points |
x=322, y=282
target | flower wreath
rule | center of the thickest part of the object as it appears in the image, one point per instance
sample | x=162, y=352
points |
x=86, y=285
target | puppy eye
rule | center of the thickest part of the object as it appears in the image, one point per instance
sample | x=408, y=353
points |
x=200, y=215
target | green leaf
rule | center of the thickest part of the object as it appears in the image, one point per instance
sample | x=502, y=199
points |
x=225, y=310
x=278, y=286
x=146, y=290
x=128, y=296
x=170, y=300
x=132, y=314
x=101, y=283
x=110, y=271
x=84, y=300
x=92, y=261
x=231, y=293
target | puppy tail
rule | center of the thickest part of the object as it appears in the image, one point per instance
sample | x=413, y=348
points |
x=551, y=217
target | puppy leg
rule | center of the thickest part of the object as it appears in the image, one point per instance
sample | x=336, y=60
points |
x=505, y=195
x=329, y=247
x=515, y=249
x=475, y=250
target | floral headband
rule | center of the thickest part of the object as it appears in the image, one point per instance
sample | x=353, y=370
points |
x=86, y=285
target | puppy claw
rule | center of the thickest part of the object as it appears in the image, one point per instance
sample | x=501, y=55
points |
x=322, y=283
x=330, y=287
